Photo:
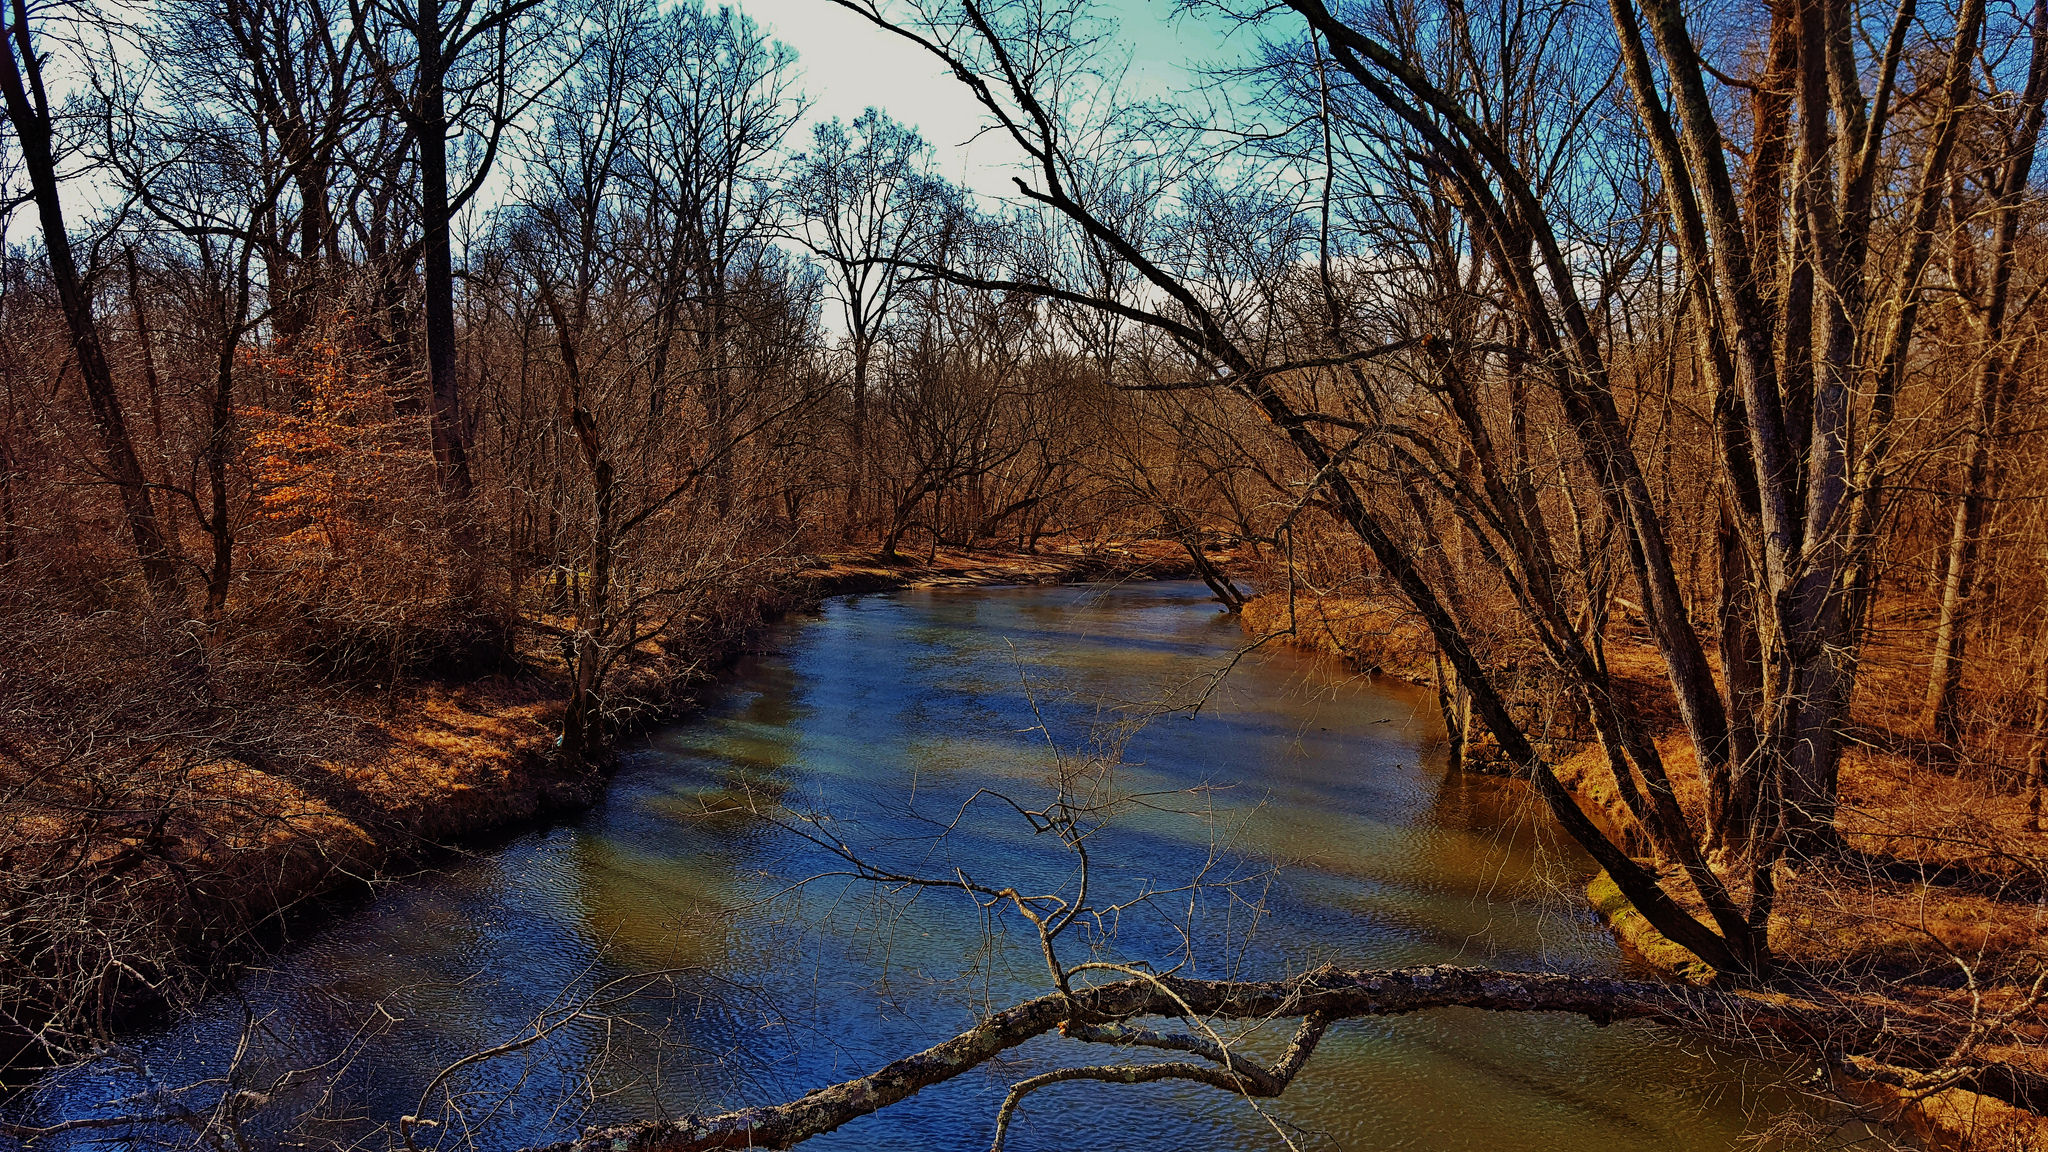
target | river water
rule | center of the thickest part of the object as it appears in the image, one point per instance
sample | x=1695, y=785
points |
x=1299, y=815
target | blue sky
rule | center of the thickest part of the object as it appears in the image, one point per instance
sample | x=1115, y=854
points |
x=848, y=64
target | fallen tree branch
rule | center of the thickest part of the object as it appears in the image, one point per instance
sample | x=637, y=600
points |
x=1326, y=994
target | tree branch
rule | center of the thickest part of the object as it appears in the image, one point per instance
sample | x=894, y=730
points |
x=1326, y=994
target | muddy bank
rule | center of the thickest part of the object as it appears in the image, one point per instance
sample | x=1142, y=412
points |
x=240, y=855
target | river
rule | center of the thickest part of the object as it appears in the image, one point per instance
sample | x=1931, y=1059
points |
x=1299, y=815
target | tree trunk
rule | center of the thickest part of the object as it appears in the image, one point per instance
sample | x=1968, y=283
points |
x=2037, y=748
x=1959, y=571
x=1184, y=529
x=906, y=512
x=1990, y=394
x=10, y=551
x=28, y=110
x=583, y=650
x=451, y=456
x=151, y=383
x=219, y=441
x=1732, y=794
x=857, y=478
x=1456, y=706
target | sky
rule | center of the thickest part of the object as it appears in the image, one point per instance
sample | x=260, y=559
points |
x=848, y=64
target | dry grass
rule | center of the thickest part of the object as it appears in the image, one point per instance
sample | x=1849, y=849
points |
x=1375, y=635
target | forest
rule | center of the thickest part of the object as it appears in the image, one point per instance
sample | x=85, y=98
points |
x=407, y=404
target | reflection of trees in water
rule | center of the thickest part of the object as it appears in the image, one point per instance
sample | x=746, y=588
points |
x=1520, y=838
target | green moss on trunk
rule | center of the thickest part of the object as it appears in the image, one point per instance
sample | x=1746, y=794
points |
x=1639, y=936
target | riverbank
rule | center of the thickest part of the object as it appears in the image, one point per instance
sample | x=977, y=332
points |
x=1937, y=909
x=238, y=856
x=880, y=715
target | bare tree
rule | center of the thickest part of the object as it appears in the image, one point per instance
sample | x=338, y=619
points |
x=1997, y=377
x=594, y=257
x=450, y=75
x=33, y=118
x=865, y=190
x=1806, y=494
x=715, y=105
